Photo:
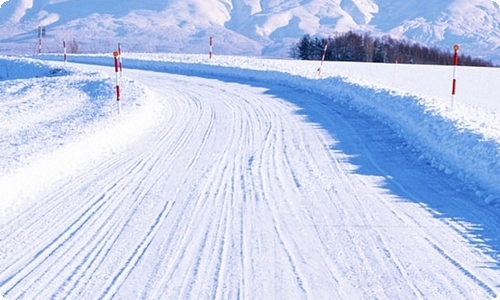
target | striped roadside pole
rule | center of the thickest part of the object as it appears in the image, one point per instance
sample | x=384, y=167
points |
x=120, y=58
x=41, y=35
x=323, y=58
x=115, y=55
x=454, y=82
x=65, y=57
x=211, y=46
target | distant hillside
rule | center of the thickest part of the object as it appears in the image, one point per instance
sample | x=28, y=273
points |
x=250, y=27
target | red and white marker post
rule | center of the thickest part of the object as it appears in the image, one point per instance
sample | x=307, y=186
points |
x=65, y=57
x=323, y=58
x=210, y=51
x=454, y=82
x=115, y=55
x=41, y=35
x=120, y=58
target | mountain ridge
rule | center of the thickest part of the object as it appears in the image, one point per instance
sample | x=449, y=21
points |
x=244, y=27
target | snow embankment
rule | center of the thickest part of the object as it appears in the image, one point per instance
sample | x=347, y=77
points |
x=56, y=121
x=463, y=141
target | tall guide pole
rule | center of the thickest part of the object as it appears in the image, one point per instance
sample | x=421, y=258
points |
x=211, y=45
x=64, y=49
x=120, y=58
x=454, y=82
x=41, y=35
x=115, y=55
x=323, y=58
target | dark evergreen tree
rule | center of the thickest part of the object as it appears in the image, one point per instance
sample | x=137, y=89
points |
x=304, y=48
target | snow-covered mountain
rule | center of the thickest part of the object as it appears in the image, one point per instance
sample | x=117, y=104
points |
x=250, y=27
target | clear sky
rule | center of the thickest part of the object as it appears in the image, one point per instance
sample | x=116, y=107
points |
x=3, y=1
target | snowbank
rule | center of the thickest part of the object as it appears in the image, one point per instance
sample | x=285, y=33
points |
x=23, y=68
x=57, y=119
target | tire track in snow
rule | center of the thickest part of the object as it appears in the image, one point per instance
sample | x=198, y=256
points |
x=74, y=228
x=119, y=226
x=138, y=252
x=53, y=246
x=180, y=251
x=274, y=166
x=284, y=176
x=215, y=200
x=186, y=137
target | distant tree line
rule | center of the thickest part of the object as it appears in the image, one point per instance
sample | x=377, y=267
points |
x=351, y=46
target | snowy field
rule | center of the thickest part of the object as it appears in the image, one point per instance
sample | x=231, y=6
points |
x=250, y=178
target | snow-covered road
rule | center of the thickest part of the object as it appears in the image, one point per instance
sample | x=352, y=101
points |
x=249, y=190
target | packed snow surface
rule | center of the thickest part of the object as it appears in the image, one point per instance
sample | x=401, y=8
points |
x=240, y=177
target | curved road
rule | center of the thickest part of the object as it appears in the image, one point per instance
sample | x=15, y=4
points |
x=245, y=190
